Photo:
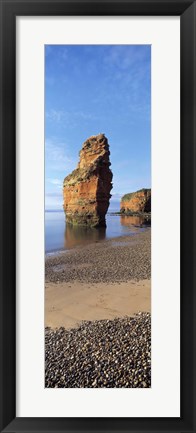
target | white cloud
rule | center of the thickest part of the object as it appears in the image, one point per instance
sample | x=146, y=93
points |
x=53, y=201
x=69, y=119
x=57, y=156
x=115, y=197
x=55, y=181
x=56, y=115
x=124, y=56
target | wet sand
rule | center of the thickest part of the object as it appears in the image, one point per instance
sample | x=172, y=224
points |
x=121, y=259
x=67, y=304
x=94, y=336
x=105, y=280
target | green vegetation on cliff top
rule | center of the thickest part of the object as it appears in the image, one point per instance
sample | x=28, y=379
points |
x=128, y=196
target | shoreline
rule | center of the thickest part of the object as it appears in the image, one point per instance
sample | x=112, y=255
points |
x=70, y=236
x=97, y=315
x=118, y=259
x=104, y=280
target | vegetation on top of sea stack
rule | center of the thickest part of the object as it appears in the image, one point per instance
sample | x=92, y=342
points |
x=131, y=194
x=136, y=202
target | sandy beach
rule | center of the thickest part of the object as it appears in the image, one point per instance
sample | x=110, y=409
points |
x=97, y=290
x=104, y=280
x=68, y=304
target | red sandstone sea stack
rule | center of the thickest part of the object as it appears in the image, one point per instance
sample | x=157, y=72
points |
x=86, y=191
x=136, y=202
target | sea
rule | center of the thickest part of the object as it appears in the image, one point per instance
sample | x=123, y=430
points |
x=61, y=236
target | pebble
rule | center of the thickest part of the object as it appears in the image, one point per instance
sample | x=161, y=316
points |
x=100, y=354
x=103, y=261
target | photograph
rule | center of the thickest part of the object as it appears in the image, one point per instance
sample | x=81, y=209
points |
x=97, y=303
x=98, y=134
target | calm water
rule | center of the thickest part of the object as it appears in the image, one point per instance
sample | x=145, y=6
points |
x=62, y=236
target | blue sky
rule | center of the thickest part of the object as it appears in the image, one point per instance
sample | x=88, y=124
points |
x=91, y=89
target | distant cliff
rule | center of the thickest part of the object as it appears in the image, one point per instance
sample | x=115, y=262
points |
x=86, y=190
x=136, y=202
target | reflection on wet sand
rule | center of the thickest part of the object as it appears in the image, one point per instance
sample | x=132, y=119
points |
x=138, y=221
x=78, y=235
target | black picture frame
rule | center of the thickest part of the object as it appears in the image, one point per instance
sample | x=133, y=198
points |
x=186, y=9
